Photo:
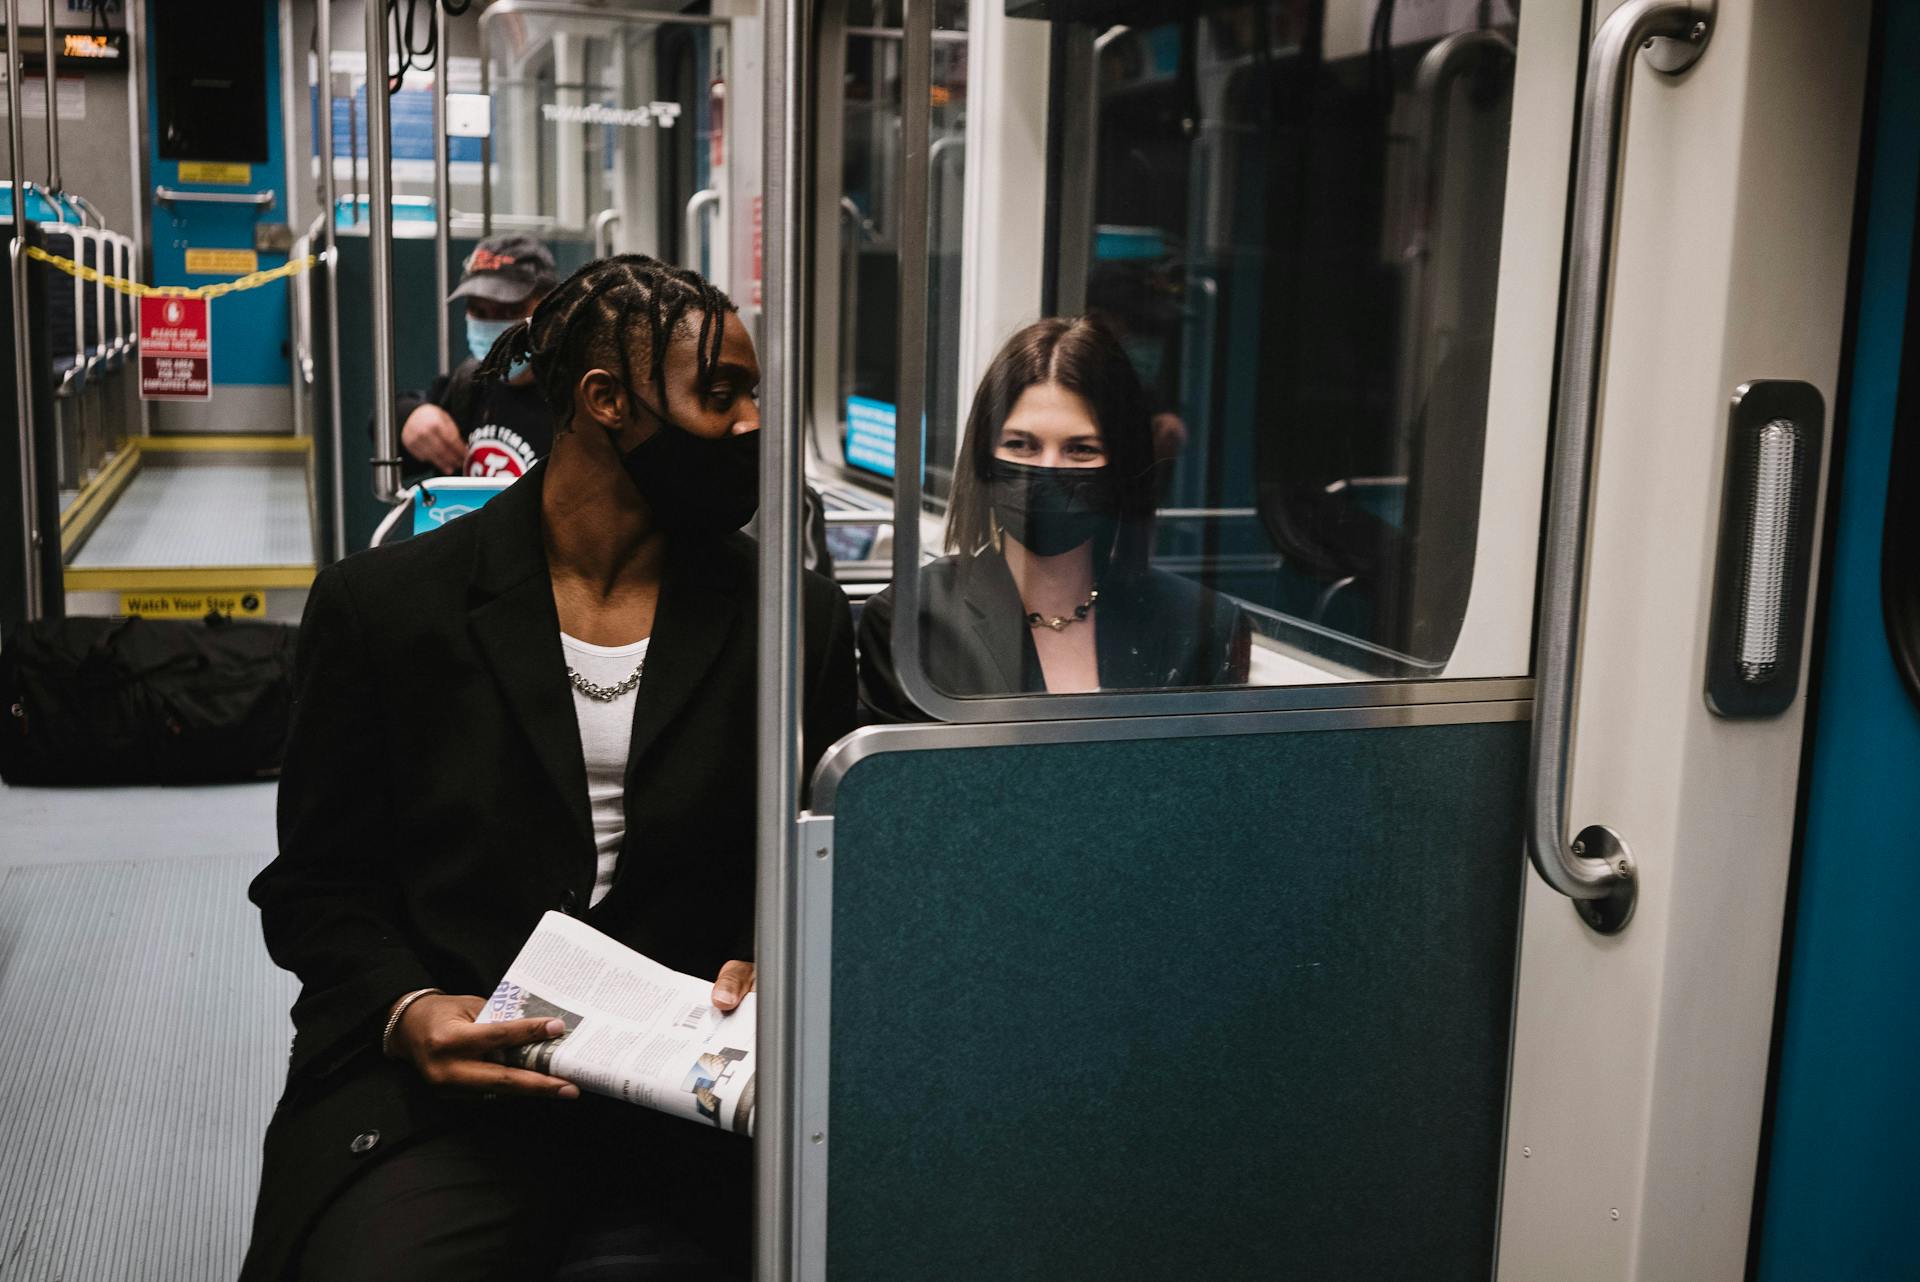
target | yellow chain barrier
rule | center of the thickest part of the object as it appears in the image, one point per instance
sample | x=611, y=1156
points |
x=253, y=280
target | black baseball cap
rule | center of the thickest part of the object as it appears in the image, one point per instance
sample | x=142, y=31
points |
x=506, y=269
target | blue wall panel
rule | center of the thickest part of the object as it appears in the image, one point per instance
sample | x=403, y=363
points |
x=1842, y=1184
x=250, y=329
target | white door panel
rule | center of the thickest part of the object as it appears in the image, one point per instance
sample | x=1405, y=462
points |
x=1640, y=1061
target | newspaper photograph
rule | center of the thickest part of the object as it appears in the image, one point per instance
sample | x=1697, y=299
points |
x=636, y=1030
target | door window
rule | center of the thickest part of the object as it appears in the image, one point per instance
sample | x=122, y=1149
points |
x=1290, y=221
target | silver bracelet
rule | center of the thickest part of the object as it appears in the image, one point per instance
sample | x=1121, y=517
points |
x=399, y=1009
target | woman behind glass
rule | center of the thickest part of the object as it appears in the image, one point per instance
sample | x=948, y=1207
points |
x=1046, y=586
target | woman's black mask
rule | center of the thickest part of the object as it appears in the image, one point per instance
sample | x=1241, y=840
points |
x=698, y=485
x=1051, y=510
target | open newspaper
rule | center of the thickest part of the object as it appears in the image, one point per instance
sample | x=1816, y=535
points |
x=635, y=1030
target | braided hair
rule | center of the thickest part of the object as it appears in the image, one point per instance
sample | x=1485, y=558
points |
x=599, y=316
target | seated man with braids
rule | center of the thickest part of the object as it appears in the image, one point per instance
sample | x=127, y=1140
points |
x=590, y=638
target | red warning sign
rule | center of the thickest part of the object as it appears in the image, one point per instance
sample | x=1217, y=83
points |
x=176, y=349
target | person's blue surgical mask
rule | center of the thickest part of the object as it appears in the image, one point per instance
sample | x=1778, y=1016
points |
x=483, y=334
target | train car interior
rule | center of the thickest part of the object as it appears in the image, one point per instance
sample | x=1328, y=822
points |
x=1497, y=755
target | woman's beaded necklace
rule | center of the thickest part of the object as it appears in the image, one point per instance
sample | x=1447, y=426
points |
x=1060, y=622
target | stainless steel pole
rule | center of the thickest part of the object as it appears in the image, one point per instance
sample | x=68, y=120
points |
x=777, y=1118
x=330, y=253
x=22, y=344
x=442, y=190
x=486, y=139
x=50, y=37
x=386, y=440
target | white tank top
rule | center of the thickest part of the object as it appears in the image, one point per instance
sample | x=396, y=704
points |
x=606, y=732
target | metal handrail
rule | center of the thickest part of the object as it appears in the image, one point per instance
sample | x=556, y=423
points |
x=89, y=212
x=950, y=145
x=603, y=223
x=1595, y=869
x=442, y=194
x=330, y=255
x=22, y=350
x=697, y=204
x=1433, y=88
x=48, y=41
x=549, y=9
x=916, y=167
x=894, y=33
x=386, y=442
x=261, y=199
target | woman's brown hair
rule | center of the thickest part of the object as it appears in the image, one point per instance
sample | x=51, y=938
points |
x=1080, y=354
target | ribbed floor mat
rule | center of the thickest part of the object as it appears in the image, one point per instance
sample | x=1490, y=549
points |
x=143, y=1035
x=205, y=513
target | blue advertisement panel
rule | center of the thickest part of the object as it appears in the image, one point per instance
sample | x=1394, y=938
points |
x=870, y=435
x=438, y=501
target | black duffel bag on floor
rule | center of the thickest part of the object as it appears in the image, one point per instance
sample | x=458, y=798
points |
x=131, y=701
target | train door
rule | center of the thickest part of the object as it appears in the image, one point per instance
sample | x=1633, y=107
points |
x=1464, y=381
x=220, y=205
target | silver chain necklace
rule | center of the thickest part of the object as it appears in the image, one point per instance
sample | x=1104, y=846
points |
x=605, y=694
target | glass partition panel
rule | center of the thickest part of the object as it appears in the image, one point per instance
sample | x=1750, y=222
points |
x=608, y=115
x=1246, y=441
x=865, y=339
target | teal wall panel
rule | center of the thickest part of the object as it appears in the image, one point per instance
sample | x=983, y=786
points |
x=250, y=335
x=1232, y=1007
x=1841, y=1179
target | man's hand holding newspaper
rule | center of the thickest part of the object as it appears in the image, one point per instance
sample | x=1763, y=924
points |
x=621, y=1024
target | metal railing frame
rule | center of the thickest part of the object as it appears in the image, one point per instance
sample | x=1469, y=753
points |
x=22, y=344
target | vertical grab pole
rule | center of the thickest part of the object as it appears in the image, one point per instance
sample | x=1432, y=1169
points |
x=330, y=252
x=386, y=443
x=48, y=38
x=22, y=344
x=442, y=189
x=910, y=393
x=486, y=139
x=777, y=1117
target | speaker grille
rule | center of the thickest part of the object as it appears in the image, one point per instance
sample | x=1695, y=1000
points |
x=1771, y=529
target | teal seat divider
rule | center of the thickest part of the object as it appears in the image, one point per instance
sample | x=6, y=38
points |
x=1229, y=1007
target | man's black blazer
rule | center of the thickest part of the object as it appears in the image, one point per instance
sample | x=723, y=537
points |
x=434, y=803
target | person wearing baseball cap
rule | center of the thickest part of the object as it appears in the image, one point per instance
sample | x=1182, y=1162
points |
x=461, y=426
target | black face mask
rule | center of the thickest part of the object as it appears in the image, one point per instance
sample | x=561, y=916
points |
x=1051, y=510
x=697, y=485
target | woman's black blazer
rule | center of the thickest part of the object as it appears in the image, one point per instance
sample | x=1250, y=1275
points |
x=1153, y=631
x=434, y=803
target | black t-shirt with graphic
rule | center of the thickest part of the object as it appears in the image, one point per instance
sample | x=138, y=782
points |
x=508, y=427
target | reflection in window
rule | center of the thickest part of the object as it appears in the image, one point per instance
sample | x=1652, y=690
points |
x=1292, y=217
x=1048, y=585
x=596, y=114
x=869, y=229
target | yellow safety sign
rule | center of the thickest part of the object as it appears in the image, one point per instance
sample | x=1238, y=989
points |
x=193, y=605
x=252, y=280
x=214, y=171
x=222, y=262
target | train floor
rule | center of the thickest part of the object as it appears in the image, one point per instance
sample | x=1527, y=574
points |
x=143, y=1030
x=234, y=513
